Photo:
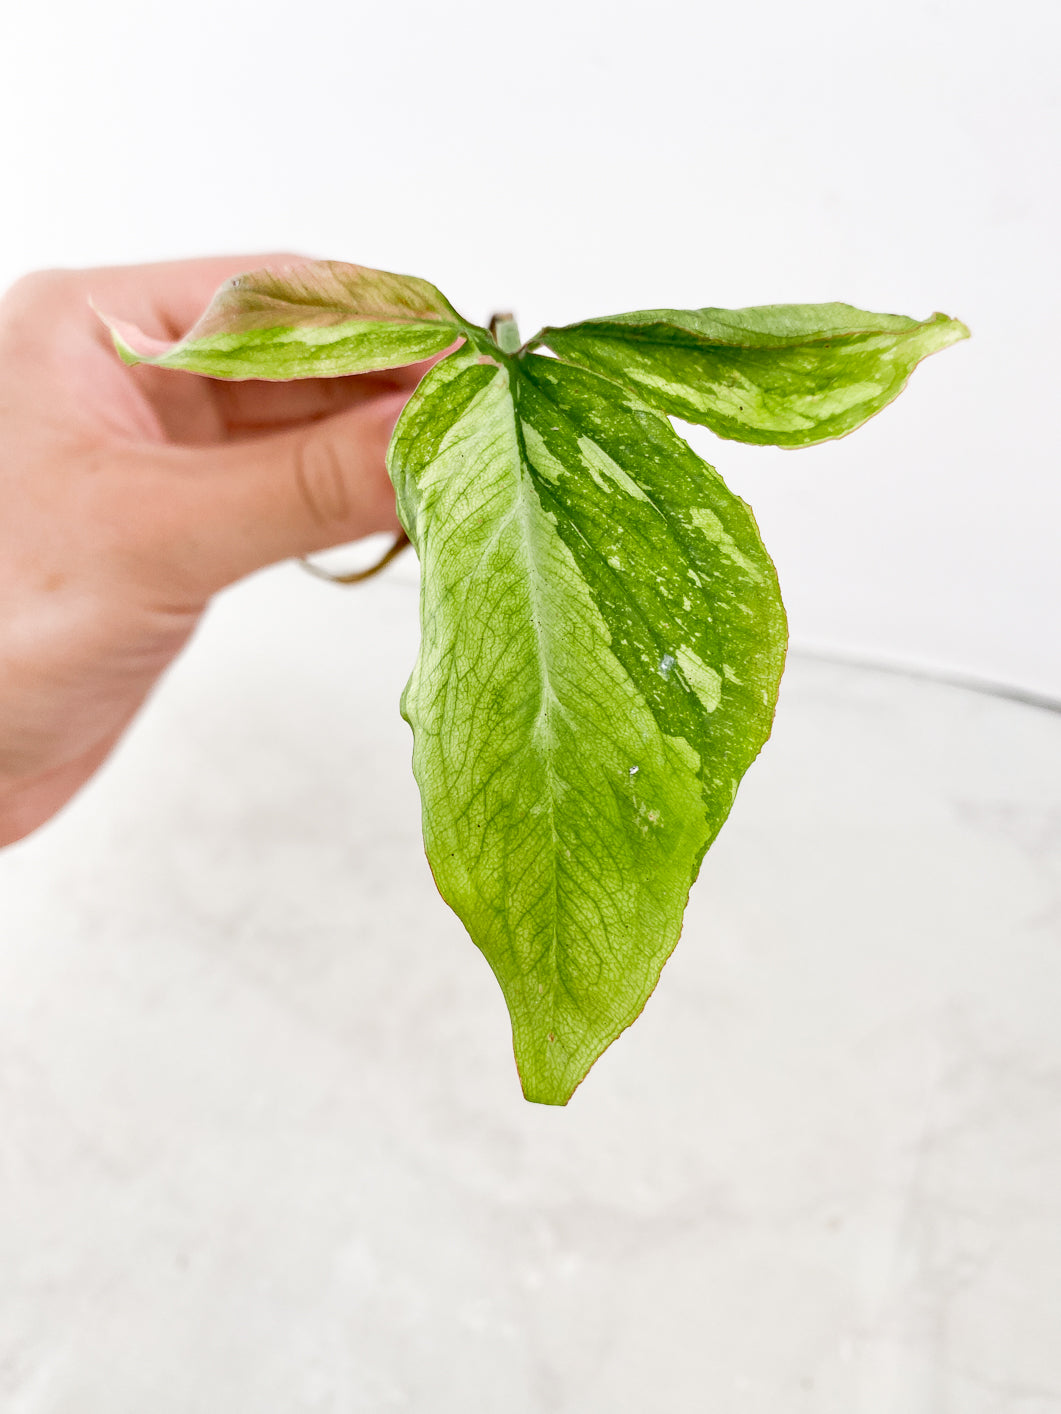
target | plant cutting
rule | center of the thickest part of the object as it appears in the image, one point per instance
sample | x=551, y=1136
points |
x=602, y=631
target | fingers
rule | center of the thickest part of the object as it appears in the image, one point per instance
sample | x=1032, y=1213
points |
x=252, y=407
x=166, y=298
x=275, y=470
x=235, y=508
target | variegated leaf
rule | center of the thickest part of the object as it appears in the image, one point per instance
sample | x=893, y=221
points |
x=789, y=374
x=603, y=635
x=603, y=639
x=315, y=319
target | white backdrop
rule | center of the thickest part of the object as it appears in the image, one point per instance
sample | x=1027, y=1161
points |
x=579, y=157
x=261, y=1145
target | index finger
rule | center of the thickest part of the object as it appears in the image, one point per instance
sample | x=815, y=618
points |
x=166, y=297
x=250, y=406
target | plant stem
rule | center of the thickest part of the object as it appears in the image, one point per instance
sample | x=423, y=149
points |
x=358, y=576
x=505, y=331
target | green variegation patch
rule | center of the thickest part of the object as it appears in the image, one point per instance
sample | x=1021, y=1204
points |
x=602, y=631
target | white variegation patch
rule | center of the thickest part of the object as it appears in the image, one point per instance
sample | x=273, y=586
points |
x=704, y=681
x=709, y=523
x=607, y=473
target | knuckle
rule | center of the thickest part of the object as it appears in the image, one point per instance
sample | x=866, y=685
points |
x=322, y=482
x=34, y=300
x=40, y=285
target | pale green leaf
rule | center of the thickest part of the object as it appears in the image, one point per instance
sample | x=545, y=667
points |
x=603, y=639
x=787, y=375
x=316, y=319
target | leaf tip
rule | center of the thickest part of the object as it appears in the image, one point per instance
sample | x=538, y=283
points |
x=548, y=1074
x=538, y=1090
x=132, y=344
x=950, y=331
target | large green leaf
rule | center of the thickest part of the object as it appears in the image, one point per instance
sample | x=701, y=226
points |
x=789, y=375
x=603, y=639
x=316, y=319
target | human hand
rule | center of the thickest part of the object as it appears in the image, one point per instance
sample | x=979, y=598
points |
x=131, y=495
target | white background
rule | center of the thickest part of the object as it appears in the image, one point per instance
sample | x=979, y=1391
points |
x=574, y=158
x=261, y=1142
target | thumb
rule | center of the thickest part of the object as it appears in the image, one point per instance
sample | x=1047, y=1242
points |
x=246, y=504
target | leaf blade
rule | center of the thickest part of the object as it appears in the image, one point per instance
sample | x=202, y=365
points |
x=782, y=375
x=567, y=801
x=314, y=319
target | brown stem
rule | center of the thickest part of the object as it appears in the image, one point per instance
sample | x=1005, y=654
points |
x=358, y=576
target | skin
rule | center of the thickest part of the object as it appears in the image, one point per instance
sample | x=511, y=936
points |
x=131, y=495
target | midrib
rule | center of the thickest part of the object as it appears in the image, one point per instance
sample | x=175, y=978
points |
x=543, y=724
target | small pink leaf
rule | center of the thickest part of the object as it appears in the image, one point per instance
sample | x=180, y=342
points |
x=315, y=319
